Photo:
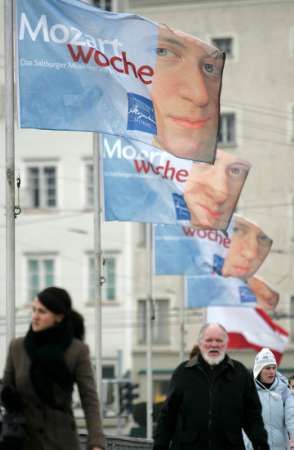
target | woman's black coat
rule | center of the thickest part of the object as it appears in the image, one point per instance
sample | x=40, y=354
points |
x=208, y=408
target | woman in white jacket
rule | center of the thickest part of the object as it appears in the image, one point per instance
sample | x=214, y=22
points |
x=277, y=402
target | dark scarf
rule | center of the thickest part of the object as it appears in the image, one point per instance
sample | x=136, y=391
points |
x=48, y=368
x=262, y=384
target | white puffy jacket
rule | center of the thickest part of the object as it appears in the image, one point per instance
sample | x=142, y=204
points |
x=277, y=412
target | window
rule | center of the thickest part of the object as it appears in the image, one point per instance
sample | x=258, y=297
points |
x=42, y=186
x=227, y=130
x=89, y=186
x=108, y=371
x=109, y=287
x=109, y=391
x=225, y=44
x=103, y=4
x=160, y=329
x=40, y=274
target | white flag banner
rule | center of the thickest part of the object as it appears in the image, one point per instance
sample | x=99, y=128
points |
x=250, y=328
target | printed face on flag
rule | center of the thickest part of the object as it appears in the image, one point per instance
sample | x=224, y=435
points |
x=80, y=68
x=186, y=95
x=212, y=191
x=248, y=249
x=146, y=184
x=266, y=297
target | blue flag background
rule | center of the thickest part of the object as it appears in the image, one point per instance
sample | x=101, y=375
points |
x=143, y=183
x=80, y=70
x=182, y=250
x=215, y=290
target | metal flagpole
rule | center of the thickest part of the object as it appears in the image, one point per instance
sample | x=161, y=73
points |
x=98, y=258
x=10, y=170
x=97, y=147
x=149, y=323
x=182, y=321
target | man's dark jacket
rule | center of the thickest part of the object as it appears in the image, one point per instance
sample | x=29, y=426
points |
x=207, y=408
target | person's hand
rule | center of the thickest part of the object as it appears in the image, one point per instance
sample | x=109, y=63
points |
x=291, y=444
x=11, y=399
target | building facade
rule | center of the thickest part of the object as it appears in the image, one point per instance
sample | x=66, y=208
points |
x=54, y=233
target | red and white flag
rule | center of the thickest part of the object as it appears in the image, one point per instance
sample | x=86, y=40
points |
x=250, y=328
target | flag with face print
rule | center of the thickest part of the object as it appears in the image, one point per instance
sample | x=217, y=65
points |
x=145, y=184
x=85, y=69
x=239, y=252
x=182, y=250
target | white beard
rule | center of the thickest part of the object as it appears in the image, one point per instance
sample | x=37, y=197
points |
x=214, y=361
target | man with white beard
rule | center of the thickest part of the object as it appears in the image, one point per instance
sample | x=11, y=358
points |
x=211, y=399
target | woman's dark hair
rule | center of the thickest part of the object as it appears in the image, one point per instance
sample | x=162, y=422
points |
x=56, y=299
x=78, y=325
x=195, y=350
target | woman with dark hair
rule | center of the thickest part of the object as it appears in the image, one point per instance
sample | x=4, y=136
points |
x=43, y=367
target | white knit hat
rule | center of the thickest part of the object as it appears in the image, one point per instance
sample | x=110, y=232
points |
x=264, y=358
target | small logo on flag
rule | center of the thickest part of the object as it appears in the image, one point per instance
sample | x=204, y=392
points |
x=182, y=212
x=218, y=262
x=246, y=295
x=141, y=115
